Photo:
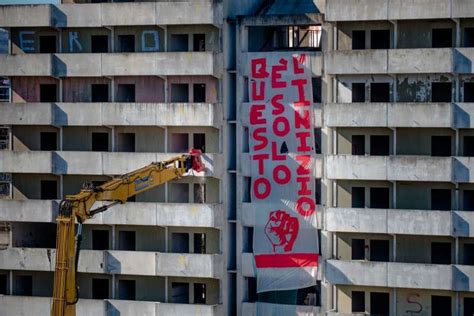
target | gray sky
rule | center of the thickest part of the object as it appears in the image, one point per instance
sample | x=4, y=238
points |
x=27, y=1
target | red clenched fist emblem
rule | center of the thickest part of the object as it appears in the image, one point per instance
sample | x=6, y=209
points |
x=282, y=230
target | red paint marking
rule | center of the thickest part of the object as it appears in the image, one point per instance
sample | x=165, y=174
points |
x=292, y=260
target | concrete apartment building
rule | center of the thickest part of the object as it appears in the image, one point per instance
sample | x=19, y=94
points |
x=93, y=90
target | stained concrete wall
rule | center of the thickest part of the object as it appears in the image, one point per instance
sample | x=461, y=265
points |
x=344, y=138
x=28, y=186
x=212, y=238
x=80, y=138
x=211, y=136
x=211, y=35
x=147, y=139
x=210, y=82
x=27, y=89
x=27, y=138
x=78, y=89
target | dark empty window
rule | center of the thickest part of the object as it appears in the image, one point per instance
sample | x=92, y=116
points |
x=380, y=39
x=180, y=293
x=441, y=253
x=199, y=293
x=179, y=92
x=179, y=142
x=317, y=140
x=126, y=142
x=199, y=42
x=48, y=93
x=199, y=193
x=126, y=43
x=47, y=44
x=358, y=39
x=441, y=199
x=100, y=142
x=3, y=284
x=358, y=144
x=48, y=141
x=358, y=92
x=380, y=250
x=440, y=305
x=379, y=304
x=317, y=88
x=199, y=141
x=49, y=189
x=379, y=145
x=358, y=302
x=442, y=38
x=180, y=242
x=100, y=239
x=468, y=254
x=252, y=289
x=248, y=239
x=468, y=306
x=24, y=285
x=380, y=92
x=200, y=243
x=469, y=37
x=100, y=93
x=100, y=289
x=127, y=240
x=99, y=43
x=441, y=92
x=358, y=249
x=440, y=146
x=358, y=197
x=468, y=200
x=379, y=197
x=246, y=196
x=126, y=93
x=468, y=146
x=468, y=91
x=126, y=290
x=199, y=92
x=179, y=42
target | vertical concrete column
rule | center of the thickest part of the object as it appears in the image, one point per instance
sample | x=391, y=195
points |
x=458, y=32
x=166, y=290
x=166, y=90
x=10, y=277
x=165, y=41
x=60, y=50
x=9, y=44
x=61, y=92
x=113, y=142
x=394, y=307
x=394, y=141
x=112, y=39
x=394, y=197
x=61, y=138
x=395, y=34
x=114, y=283
x=112, y=89
x=61, y=186
x=394, y=249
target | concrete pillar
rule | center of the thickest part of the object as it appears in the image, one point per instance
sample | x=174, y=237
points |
x=61, y=138
x=458, y=32
x=165, y=41
x=113, y=142
x=394, y=307
x=166, y=290
x=60, y=50
x=112, y=39
x=10, y=277
x=394, y=195
x=9, y=44
x=456, y=250
x=112, y=89
x=394, y=141
x=114, y=284
x=61, y=92
x=166, y=91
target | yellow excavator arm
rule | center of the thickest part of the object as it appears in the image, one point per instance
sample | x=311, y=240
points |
x=79, y=207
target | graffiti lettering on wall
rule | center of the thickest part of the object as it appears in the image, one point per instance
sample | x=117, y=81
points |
x=150, y=41
x=416, y=307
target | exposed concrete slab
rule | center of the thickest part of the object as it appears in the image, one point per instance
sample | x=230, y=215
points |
x=117, y=262
x=25, y=15
x=357, y=62
x=356, y=114
x=23, y=305
x=26, y=162
x=420, y=115
x=462, y=9
x=343, y=10
x=427, y=60
x=26, y=65
x=391, y=274
x=418, y=9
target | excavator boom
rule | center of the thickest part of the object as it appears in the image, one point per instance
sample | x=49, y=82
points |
x=78, y=208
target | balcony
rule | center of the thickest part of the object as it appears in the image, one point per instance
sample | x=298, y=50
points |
x=94, y=163
x=416, y=115
x=111, y=64
x=112, y=114
x=23, y=305
x=370, y=10
x=118, y=262
x=400, y=61
x=133, y=213
x=401, y=275
x=249, y=210
x=245, y=165
x=400, y=222
x=399, y=168
x=112, y=14
x=250, y=309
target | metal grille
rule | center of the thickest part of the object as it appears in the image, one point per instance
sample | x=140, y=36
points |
x=4, y=90
x=4, y=138
x=5, y=185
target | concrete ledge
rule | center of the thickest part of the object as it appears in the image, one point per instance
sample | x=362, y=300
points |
x=96, y=163
x=370, y=10
x=132, y=213
x=245, y=165
x=399, y=275
x=23, y=305
x=390, y=168
x=112, y=114
x=111, y=64
x=396, y=221
x=112, y=14
x=400, y=61
x=117, y=262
